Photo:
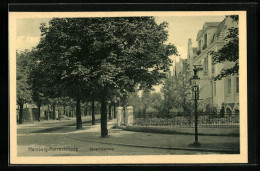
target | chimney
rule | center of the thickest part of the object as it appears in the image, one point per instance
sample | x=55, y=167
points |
x=189, y=44
x=189, y=49
x=190, y=52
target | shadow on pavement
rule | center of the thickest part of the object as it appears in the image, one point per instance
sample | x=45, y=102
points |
x=65, y=128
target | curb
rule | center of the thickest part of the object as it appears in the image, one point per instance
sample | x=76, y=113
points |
x=159, y=147
x=157, y=130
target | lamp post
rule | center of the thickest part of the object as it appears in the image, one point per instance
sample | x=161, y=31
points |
x=195, y=85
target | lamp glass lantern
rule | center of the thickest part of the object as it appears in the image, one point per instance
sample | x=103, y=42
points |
x=195, y=81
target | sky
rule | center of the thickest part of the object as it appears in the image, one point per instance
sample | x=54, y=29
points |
x=180, y=29
x=28, y=32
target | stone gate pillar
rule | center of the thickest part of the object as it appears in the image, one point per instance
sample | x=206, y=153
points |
x=56, y=114
x=129, y=115
x=119, y=115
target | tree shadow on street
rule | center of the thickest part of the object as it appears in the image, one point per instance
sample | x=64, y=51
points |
x=65, y=128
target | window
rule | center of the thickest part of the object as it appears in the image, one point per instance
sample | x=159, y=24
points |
x=206, y=64
x=237, y=85
x=213, y=39
x=204, y=42
x=212, y=66
x=229, y=86
x=205, y=39
x=200, y=45
x=215, y=89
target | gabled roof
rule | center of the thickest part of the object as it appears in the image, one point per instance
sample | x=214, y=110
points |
x=221, y=27
x=207, y=25
x=212, y=24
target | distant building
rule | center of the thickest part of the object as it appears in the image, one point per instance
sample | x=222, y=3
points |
x=30, y=112
x=180, y=66
x=221, y=92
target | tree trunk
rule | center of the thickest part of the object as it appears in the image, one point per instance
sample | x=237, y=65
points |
x=54, y=115
x=39, y=113
x=109, y=112
x=48, y=112
x=114, y=111
x=104, y=131
x=21, y=113
x=124, y=113
x=64, y=110
x=78, y=114
x=93, y=112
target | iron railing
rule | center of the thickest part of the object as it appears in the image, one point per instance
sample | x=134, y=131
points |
x=229, y=121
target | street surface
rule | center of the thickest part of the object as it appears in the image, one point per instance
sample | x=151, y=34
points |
x=60, y=138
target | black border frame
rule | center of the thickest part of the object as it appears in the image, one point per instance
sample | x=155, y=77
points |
x=252, y=56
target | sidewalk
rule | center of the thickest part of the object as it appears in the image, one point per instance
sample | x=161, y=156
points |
x=52, y=122
x=219, y=144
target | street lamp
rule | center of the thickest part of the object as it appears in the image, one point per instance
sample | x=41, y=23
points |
x=195, y=80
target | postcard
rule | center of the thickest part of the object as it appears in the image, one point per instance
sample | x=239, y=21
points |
x=128, y=87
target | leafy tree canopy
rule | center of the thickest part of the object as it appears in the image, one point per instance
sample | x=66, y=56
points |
x=105, y=56
x=177, y=92
x=110, y=54
x=36, y=87
x=23, y=60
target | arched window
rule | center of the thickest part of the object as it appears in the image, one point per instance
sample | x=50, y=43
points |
x=228, y=111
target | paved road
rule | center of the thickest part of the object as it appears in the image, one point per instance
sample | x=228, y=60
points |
x=59, y=138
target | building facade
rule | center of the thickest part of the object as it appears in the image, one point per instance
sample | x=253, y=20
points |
x=222, y=93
